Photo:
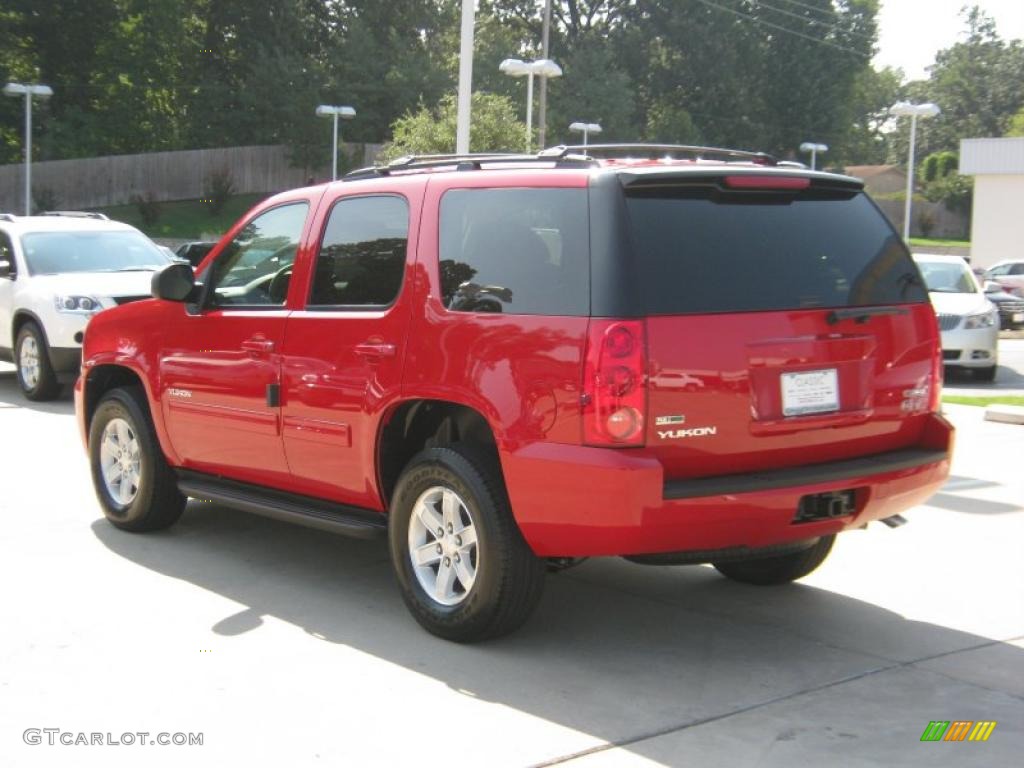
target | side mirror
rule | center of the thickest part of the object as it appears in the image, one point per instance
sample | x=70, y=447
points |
x=5, y=268
x=175, y=282
x=991, y=286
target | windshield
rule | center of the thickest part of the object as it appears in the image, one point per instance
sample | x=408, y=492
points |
x=53, y=253
x=947, y=277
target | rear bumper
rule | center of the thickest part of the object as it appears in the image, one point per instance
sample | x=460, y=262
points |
x=575, y=501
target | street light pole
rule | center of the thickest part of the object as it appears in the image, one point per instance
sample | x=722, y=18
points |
x=347, y=113
x=518, y=68
x=913, y=111
x=814, y=149
x=465, y=100
x=28, y=91
x=542, y=127
x=586, y=129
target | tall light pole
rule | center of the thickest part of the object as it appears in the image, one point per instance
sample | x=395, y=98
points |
x=913, y=111
x=519, y=68
x=542, y=115
x=814, y=149
x=28, y=91
x=586, y=129
x=465, y=100
x=346, y=113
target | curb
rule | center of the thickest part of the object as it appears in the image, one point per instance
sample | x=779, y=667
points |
x=1005, y=414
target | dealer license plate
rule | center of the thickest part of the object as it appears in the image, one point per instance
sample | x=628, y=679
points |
x=1018, y=317
x=810, y=392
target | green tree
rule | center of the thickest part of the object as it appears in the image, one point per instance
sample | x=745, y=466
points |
x=1016, y=126
x=432, y=130
x=866, y=140
x=976, y=83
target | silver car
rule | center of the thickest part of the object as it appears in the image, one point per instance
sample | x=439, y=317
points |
x=969, y=322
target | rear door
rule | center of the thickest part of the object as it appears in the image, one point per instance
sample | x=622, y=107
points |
x=342, y=364
x=786, y=324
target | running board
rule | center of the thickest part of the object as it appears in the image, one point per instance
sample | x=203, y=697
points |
x=287, y=507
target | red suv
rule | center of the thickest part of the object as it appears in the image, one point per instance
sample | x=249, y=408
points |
x=509, y=363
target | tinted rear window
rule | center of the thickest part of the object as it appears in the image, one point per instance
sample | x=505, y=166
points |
x=700, y=251
x=522, y=251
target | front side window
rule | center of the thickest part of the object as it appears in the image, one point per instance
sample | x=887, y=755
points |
x=362, y=255
x=255, y=268
x=55, y=253
x=521, y=251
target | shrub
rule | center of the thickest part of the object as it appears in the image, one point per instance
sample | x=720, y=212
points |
x=149, y=207
x=219, y=187
x=44, y=199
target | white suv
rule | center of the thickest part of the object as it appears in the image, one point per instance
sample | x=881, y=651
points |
x=57, y=271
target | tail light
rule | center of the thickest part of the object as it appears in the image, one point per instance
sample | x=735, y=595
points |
x=614, y=396
x=935, y=401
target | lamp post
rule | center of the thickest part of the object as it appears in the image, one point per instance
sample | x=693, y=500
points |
x=346, y=113
x=814, y=149
x=586, y=129
x=519, y=68
x=913, y=111
x=465, y=97
x=28, y=91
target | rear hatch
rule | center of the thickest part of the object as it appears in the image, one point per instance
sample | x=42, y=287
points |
x=786, y=322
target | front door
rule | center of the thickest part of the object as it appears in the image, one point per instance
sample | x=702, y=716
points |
x=343, y=352
x=220, y=369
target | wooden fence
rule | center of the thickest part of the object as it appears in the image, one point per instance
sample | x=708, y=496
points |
x=117, y=179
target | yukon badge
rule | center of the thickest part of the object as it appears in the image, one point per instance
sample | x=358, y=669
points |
x=172, y=392
x=679, y=434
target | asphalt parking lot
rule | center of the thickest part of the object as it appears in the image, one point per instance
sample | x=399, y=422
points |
x=284, y=646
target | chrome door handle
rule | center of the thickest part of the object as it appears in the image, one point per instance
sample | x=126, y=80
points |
x=258, y=345
x=373, y=349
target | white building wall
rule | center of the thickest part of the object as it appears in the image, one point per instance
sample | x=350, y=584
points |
x=997, y=222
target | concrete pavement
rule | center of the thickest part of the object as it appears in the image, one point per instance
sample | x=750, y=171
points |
x=285, y=646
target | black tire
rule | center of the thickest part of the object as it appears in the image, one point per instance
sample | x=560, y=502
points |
x=766, y=571
x=509, y=578
x=46, y=386
x=156, y=503
x=985, y=374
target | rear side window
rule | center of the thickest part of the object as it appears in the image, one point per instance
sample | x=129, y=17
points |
x=703, y=251
x=362, y=255
x=521, y=251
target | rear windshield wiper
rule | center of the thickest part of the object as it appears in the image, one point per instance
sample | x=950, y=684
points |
x=861, y=314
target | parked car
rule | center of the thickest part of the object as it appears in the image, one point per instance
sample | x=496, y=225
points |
x=1010, y=306
x=504, y=363
x=194, y=253
x=968, y=320
x=1009, y=274
x=56, y=272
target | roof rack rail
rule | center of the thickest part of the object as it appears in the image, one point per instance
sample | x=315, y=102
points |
x=468, y=162
x=77, y=214
x=7, y=217
x=589, y=151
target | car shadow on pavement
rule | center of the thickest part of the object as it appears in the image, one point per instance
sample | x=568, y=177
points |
x=614, y=649
x=11, y=397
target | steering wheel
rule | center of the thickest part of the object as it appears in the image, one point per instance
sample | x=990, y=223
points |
x=277, y=288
